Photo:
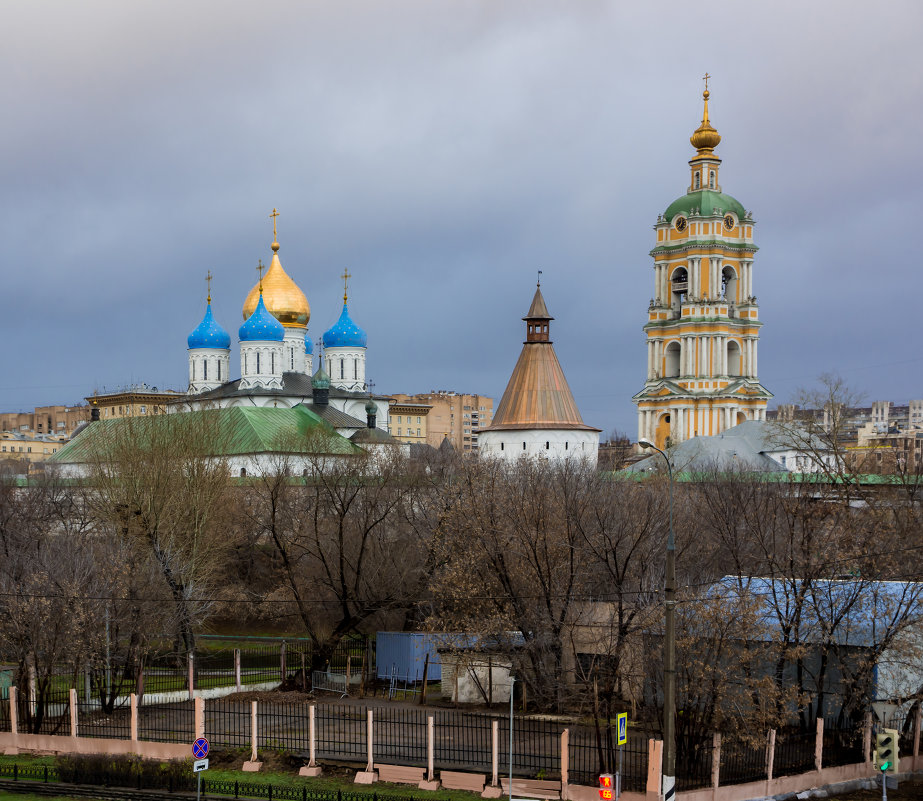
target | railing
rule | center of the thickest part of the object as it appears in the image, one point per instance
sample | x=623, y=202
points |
x=585, y=764
x=794, y=753
x=167, y=723
x=94, y=722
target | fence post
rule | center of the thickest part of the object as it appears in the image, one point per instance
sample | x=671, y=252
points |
x=312, y=768
x=819, y=745
x=133, y=704
x=199, y=706
x=770, y=760
x=190, y=678
x=565, y=760
x=33, y=700
x=430, y=783
x=916, y=735
x=252, y=764
x=867, y=738
x=282, y=663
x=716, y=760
x=237, y=669
x=654, y=766
x=368, y=776
x=14, y=713
x=370, y=733
x=73, y=709
x=495, y=753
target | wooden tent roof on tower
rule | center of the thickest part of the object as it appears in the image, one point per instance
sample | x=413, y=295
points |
x=537, y=395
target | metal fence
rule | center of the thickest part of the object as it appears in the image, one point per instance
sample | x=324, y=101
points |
x=227, y=724
x=167, y=723
x=95, y=722
x=585, y=762
x=341, y=732
x=794, y=753
x=47, y=718
x=694, y=764
x=464, y=741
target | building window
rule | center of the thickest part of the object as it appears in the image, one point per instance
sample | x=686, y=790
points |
x=547, y=445
x=219, y=369
x=399, y=432
x=523, y=445
x=272, y=362
x=257, y=362
x=204, y=371
x=342, y=369
x=398, y=418
x=501, y=446
x=144, y=410
x=697, y=183
x=243, y=471
x=565, y=446
x=356, y=369
x=418, y=421
x=418, y=432
x=711, y=179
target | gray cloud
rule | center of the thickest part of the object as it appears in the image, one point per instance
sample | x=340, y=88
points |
x=443, y=152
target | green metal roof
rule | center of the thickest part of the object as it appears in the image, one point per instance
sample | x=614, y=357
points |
x=705, y=200
x=235, y=431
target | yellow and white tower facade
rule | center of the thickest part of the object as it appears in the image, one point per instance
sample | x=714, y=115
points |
x=703, y=321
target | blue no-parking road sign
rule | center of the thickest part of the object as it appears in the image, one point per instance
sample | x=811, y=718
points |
x=200, y=748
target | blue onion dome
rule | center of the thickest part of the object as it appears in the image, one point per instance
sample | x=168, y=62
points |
x=345, y=333
x=308, y=345
x=321, y=380
x=261, y=326
x=208, y=334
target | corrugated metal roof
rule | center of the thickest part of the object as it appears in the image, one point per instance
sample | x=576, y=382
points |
x=240, y=430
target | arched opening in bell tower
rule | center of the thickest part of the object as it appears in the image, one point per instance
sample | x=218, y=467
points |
x=671, y=360
x=679, y=285
x=733, y=358
x=729, y=283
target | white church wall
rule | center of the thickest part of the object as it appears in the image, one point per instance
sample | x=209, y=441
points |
x=346, y=368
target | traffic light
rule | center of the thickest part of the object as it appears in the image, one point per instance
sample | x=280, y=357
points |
x=606, y=787
x=886, y=754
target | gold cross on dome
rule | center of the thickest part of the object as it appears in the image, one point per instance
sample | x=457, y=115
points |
x=274, y=214
x=259, y=270
x=707, y=76
x=346, y=276
x=208, y=281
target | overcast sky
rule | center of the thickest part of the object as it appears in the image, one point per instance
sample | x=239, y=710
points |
x=443, y=151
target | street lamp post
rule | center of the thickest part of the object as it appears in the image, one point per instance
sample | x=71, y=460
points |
x=669, y=649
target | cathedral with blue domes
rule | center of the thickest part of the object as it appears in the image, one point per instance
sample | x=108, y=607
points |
x=277, y=357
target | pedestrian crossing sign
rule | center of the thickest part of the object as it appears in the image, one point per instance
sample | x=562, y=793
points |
x=622, y=719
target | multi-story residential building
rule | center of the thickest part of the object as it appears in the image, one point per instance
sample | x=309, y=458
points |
x=407, y=422
x=134, y=401
x=30, y=446
x=452, y=415
x=54, y=420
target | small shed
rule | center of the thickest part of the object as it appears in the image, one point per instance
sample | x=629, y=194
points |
x=403, y=654
x=476, y=677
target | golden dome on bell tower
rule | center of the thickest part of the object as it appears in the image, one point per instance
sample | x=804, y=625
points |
x=706, y=138
x=281, y=295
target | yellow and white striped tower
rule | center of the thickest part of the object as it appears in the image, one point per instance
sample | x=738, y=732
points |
x=703, y=325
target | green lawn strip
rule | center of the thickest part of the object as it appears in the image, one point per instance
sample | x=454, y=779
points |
x=286, y=779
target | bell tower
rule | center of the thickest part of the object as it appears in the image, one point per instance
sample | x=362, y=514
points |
x=702, y=323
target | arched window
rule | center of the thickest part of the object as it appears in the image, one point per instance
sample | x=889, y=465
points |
x=729, y=283
x=733, y=358
x=243, y=472
x=272, y=362
x=356, y=369
x=342, y=369
x=523, y=445
x=697, y=181
x=501, y=446
x=711, y=179
x=219, y=369
x=205, y=369
x=679, y=282
x=671, y=360
x=547, y=445
x=257, y=362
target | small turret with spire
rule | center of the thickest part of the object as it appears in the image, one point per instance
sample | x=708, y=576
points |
x=705, y=139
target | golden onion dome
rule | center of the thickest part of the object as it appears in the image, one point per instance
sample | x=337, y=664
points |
x=705, y=139
x=281, y=295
